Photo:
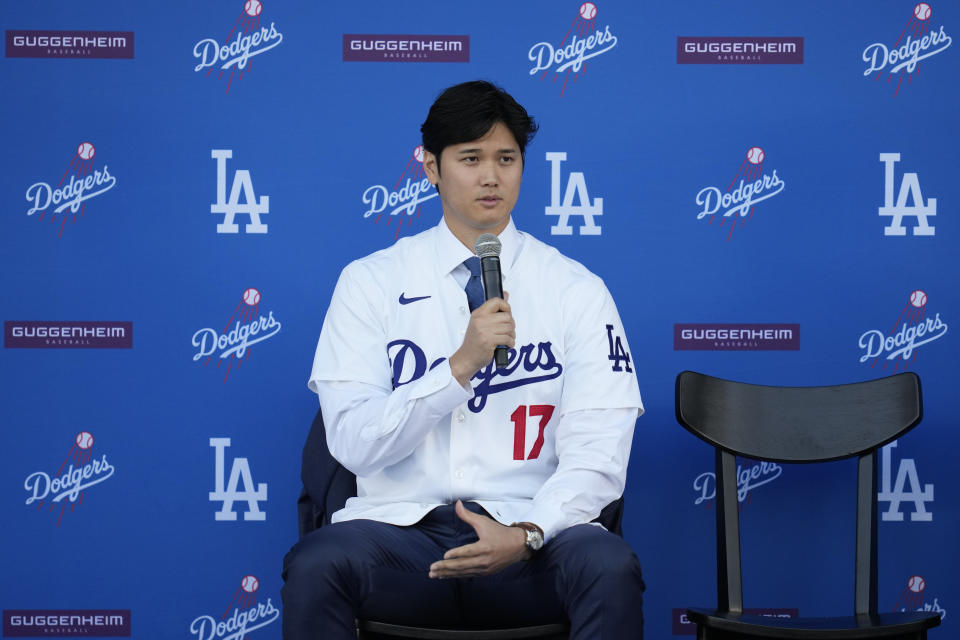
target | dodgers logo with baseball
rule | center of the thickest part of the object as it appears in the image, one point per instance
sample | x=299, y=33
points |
x=243, y=615
x=79, y=471
x=748, y=479
x=914, y=598
x=918, y=41
x=583, y=41
x=247, y=38
x=404, y=200
x=246, y=327
x=913, y=329
x=67, y=198
x=749, y=186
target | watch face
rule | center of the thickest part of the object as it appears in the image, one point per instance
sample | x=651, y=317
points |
x=534, y=540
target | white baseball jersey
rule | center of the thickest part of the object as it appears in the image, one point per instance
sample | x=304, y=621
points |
x=545, y=439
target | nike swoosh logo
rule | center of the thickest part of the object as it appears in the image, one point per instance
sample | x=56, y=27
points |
x=404, y=300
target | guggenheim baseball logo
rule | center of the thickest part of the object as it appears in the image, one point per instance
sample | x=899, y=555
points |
x=79, y=471
x=67, y=198
x=404, y=200
x=247, y=38
x=70, y=44
x=358, y=47
x=66, y=623
x=904, y=56
x=245, y=328
x=739, y=50
x=243, y=615
x=58, y=334
x=750, y=185
x=583, y=41
x=736, y=337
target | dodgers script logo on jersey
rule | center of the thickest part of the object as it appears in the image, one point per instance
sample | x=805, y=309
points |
x=229, y=209
x=242, y=617
x=748, y=478
x=409, y=363
x=913, y=329
x=246, y=327
x=235, y=53
x=404, y=200
x=749, y=186
x=903, y=57
x=68, y=197
x=583, y=40
x=79, y=471
x=909, y=188
x=576, y=189
x=229, y=491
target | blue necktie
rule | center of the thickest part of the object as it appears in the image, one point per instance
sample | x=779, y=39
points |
x=474, y=288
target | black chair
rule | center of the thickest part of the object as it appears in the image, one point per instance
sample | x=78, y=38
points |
x=326, y=487
x=800, y=424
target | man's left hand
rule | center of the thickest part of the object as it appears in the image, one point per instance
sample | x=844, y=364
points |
x=498, y=546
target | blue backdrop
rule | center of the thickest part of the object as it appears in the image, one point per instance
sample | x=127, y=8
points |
x=734, y=164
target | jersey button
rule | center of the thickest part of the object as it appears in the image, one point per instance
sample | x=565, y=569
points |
x=459, y=474
x=461, y=417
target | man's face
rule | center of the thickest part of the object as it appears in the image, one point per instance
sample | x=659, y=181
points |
x=479, y=183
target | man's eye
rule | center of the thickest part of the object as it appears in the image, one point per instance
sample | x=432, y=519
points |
x=470, y=159
x=507, y=159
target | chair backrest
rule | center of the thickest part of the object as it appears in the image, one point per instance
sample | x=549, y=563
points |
x=797, y=424
x=327, y=485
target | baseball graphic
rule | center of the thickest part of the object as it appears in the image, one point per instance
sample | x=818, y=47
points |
x=588, y=11
x=755, y=155
x=86, y=150
x=253, y=8
x=250, y=584
x=251, y=296
x=84, y=440
x=918, y=299
x=916, y=584
x=418, y=153
x=922, y=11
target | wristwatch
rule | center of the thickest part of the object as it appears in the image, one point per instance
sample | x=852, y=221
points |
x=534, y=535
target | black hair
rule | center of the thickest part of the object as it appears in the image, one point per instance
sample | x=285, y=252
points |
x=467, y=111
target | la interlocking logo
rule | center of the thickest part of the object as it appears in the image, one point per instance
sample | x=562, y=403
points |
x=576, y=188
x=909, y=189
x=906, y=488
x=229, y=491
x=252, y=206
x=618, y=355
x=251, y=40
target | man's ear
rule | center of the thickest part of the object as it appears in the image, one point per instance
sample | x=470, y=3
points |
x=431, y=166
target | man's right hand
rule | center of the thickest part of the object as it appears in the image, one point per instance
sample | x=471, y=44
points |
x=491, y=325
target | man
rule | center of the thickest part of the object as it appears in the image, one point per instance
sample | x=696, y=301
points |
x=476, y=484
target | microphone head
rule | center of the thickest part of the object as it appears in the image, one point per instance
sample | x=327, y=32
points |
x=487, y=246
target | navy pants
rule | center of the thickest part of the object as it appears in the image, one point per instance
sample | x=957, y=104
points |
x=378, y=571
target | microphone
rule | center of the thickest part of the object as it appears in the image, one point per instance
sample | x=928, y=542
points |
x=487, y=247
